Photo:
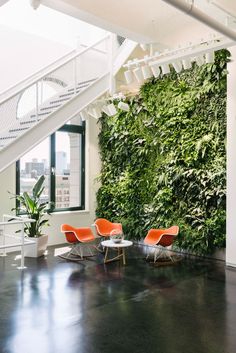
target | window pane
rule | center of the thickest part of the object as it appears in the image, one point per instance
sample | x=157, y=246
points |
x=68, y=169
x=34, y=164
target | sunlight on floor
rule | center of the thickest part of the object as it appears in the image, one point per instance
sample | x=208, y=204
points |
x=61, y=251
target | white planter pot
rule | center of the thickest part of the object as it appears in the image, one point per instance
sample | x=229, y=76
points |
x=37, y=249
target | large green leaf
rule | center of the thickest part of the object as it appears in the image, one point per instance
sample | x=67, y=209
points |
x=34, y=208
x=37, y=189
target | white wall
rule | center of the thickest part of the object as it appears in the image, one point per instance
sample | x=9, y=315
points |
x=23, y=54
x=7, y=183
x=78, y=218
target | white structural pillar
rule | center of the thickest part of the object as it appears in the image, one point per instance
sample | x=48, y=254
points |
x=231, y=162
x=75, y=165
x=75, y=168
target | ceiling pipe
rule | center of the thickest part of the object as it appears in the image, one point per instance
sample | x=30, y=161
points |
x=192, y=11
x=2, y=2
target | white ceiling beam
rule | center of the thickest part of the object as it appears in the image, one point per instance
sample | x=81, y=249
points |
x=64, y=7
x=192, y=11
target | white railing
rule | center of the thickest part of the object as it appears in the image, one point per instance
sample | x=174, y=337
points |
x=20, y=240
x=14, y=89
x=66, y=75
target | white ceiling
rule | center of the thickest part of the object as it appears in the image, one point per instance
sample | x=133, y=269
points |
x=227, y=5
x=149, y=21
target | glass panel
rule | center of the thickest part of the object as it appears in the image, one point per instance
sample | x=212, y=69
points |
x=34, y=164
x=68, y=169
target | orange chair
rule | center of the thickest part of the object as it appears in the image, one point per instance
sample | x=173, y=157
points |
x=77, y=237
x=161, y=238
x=106, y=228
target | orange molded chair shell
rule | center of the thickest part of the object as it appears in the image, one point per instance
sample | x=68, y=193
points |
x=106, y=228
x=162, y=237
x=76, y=236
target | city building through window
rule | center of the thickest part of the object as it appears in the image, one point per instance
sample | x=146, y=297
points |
x=61, y=158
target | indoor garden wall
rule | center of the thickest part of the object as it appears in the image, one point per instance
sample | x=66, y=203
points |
x=164, y=161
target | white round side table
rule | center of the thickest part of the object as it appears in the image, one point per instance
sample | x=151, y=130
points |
x=120, y=248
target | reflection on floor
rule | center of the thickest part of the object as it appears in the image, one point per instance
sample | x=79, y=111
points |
x=56, y=306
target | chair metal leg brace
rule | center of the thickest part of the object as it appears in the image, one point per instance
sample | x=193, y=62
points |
x=162, y=252
x=149, y=252
x=76, y=252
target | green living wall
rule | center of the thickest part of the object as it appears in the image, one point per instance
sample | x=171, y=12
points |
x=164, y=161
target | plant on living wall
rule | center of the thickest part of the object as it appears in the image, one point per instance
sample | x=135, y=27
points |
x=164, y=161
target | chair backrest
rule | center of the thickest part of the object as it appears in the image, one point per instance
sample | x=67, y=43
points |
x=106, y=228
x=168, y=236
x=166, y=240
x=174, y=230
x=164, y=237
x=69, y=232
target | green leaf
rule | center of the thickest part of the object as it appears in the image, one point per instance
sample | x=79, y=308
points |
x=37, y=189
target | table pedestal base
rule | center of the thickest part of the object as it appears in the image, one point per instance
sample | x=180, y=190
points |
x=120, y=255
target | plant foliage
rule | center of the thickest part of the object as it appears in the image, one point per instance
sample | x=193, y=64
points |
x=32, y=205
x=164, y=161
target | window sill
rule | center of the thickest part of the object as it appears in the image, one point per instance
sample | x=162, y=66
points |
x=69, y=212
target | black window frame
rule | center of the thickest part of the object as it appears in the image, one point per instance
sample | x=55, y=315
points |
x=78, y=129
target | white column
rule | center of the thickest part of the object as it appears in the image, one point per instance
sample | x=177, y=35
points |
x=75, y=169
x=231, y=162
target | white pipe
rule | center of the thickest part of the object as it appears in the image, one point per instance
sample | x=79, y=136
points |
x=192, y=11
x=2, y=2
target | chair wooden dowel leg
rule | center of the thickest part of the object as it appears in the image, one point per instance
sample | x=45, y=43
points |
x=123, y=253
x=106, y=253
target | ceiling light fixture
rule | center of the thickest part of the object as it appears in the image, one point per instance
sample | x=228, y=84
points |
x=165, y=69
x=200, y=60
x=138, y=74
x=129, y=77
x=112, y=109
x=96, y=112
x=177, y=65
x=84, y=115
x=185, y=56
x=155, y=69
x=123, y=106
x=187, y=64
x=106, y=110
x=210, y=57
x=146, y=71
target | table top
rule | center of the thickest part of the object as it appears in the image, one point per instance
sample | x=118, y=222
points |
x=111, y=244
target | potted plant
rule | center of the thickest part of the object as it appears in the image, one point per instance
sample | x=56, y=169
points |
x=32, y=205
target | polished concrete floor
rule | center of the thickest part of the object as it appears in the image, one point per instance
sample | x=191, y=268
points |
x=56, y=306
